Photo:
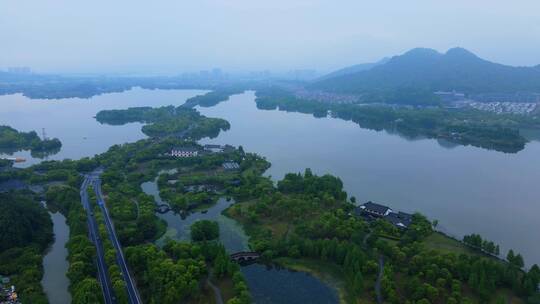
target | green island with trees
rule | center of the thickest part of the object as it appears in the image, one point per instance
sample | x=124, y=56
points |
x=199, y=182
x=204, y=230
x=181, y=122
x=12, y=141
x=462, y=126
x=212, y=98
x=305, y=222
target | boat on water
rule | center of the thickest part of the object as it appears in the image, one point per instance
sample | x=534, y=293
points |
x=16, y=159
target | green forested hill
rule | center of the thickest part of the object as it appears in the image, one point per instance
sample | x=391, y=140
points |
x=429, y=70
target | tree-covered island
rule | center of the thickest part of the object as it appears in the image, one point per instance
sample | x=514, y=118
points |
x=12, y=141
x=181, y=122
x=212, y=98
x=460, y=126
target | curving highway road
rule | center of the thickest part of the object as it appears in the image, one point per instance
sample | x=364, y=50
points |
x=133, y=295
x=103, y=273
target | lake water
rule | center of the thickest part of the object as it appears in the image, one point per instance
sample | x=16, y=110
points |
x=72, y=119
x=468, y=189
x=268, y=284
x=55, y=266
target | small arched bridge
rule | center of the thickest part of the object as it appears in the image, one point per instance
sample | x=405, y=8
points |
x=245, y=256
x=163, y=208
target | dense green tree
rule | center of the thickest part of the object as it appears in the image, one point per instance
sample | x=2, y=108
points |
x=23, y=222
x=87, y=291
x=204, y=230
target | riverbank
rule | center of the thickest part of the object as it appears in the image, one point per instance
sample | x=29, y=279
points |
x=329, y=273
x=55, y=265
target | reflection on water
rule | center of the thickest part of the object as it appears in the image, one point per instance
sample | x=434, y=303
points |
x=266, y=284
x=269, y=284
x=230, y=233
x=55, y=264
x=72, y=120
x=469, y=190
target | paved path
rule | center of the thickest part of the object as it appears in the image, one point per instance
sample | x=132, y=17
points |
x=217, y=292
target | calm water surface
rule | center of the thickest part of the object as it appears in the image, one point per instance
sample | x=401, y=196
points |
x=468, y=189
x=55, y=266
x=269, y=285
x=231, y=233
x=72, y=119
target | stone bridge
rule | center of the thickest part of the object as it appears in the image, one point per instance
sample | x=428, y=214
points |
x=163, y=208
x=245, y=256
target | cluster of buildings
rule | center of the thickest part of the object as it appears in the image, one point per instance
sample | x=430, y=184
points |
x=450, y=96
x=516, y=103
x=505, y=107
x=19, y=70
x=186, y=152
x=517, y=97
x=231, y=166
x=200, y=188
x=8, y=295
x=372, y=211
x=194, y=152
x=326, y=97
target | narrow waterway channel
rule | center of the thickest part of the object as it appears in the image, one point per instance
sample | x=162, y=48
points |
x=231, y=235
x=55, y=264
x=267, y=284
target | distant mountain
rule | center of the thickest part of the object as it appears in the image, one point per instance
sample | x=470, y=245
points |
x=428, y=70
x=354, y=69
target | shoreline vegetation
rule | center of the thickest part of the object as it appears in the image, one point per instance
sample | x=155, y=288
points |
x=26, y=235
x=12, y=141
x=409, y=112
x=304, y=217
x=310, y=217
x=212, y=98
x=330, y=274
x=461, y=126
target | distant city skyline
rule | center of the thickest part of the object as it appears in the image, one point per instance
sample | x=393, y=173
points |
x=64, y=36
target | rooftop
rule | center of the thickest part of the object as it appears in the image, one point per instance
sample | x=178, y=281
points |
x=212, y=147
x=185, y=149
x=375, y=207
x=400, y=219
x=231, y=165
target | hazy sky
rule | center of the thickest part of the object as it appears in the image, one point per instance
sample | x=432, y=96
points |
x=176, y=35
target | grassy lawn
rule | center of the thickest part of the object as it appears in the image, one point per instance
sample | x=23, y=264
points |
x=508, y=295
x=391, y=241
x=237, y=213
x=442, y=243
x=329, y=273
